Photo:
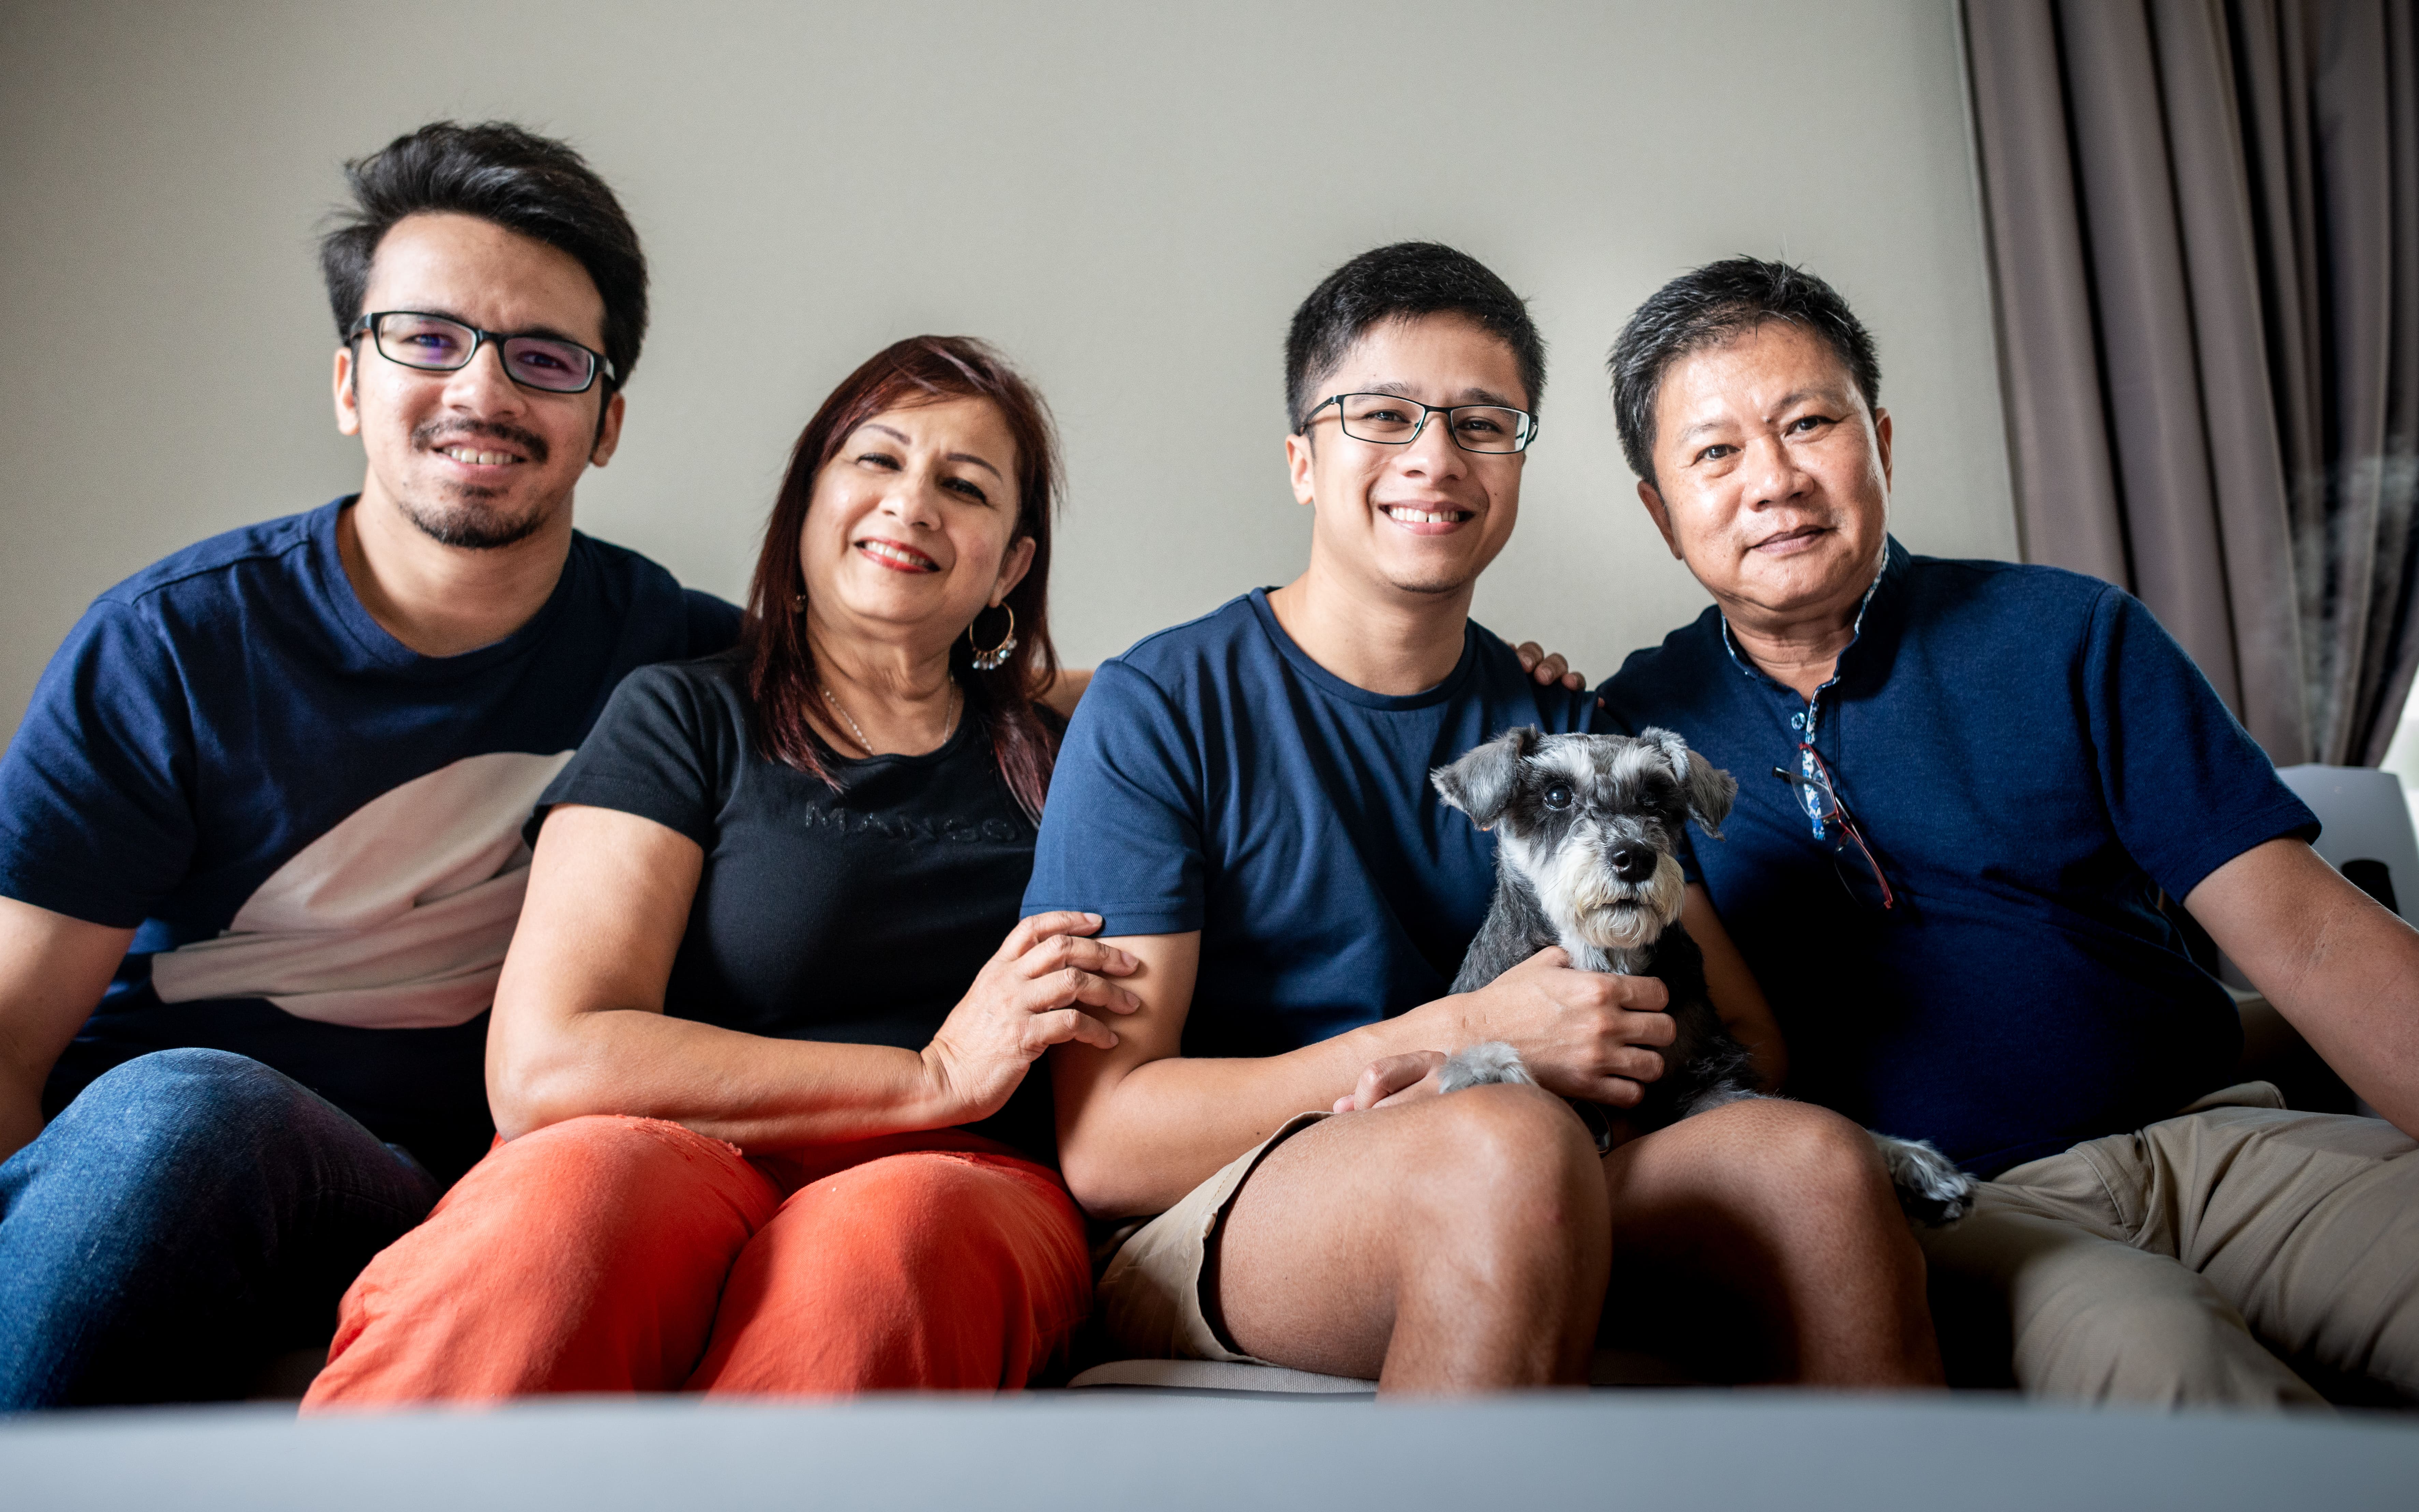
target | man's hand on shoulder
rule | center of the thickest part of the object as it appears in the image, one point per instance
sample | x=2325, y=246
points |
x=1585, y=1034
x=1548, y=668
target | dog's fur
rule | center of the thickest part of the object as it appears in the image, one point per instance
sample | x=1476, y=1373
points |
x=1572, y=814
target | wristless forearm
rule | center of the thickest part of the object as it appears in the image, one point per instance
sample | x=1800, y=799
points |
x=1169, y=1125
x=756, y=1092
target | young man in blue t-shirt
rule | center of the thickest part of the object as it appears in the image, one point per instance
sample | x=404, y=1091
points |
x=260, y=831
x=1966, y=789
x=1245, y=802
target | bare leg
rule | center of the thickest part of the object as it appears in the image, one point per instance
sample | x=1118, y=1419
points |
x=1786, y=1208
x=1455, y=1243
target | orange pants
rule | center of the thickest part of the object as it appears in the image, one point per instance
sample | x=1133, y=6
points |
x=613, y=1253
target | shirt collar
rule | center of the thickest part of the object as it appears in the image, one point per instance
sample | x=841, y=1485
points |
x=1894, y=560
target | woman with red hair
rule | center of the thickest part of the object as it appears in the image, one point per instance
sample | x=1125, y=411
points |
x=759, y=1055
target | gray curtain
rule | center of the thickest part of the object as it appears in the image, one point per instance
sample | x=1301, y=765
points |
x=2204, y=227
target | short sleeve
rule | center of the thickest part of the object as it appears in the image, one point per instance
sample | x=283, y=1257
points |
x=652, y=755
x=96, y=807
x=2186, y=786
x=1121, y=833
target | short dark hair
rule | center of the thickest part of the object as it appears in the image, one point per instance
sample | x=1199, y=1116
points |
x=529, y=184
x=1404, y=282
x=1711, y=305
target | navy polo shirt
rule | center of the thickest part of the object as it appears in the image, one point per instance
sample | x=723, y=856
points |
x=2031, y=760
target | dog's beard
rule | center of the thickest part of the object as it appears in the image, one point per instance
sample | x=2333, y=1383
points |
x=1587, y=901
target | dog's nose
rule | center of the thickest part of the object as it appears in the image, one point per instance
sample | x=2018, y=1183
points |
x=1632, y=863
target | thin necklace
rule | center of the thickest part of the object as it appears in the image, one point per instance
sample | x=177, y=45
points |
x=947, y=727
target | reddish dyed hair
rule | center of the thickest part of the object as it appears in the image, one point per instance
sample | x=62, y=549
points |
x=782, y=681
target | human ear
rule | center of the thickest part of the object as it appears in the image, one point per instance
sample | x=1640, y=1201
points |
x=1882, y=442
x=1013, y=565
x=1299, y=458
x=1661, y=515
x=1480, y=783
x=609, y=432
x=349, y=398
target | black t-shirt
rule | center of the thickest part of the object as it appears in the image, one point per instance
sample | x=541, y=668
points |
x=859, y=917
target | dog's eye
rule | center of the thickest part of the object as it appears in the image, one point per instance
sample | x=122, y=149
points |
x=1557, y=797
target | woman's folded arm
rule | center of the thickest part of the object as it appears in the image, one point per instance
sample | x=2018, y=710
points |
x=579, y=1025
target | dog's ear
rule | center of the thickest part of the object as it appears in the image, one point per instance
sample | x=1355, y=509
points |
x=1480, y=784
x=1711, y=791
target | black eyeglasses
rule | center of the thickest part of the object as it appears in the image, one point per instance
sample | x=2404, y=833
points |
x=1391, y=419
x=1819, y=781
x=438, y=343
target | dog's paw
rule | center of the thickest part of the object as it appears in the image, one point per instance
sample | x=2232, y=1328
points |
x=1931, y=1189
x=1490, y=1060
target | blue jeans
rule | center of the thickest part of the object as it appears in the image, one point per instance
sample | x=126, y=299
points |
x=190, y=1215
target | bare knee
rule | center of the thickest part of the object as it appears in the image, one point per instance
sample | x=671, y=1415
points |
x=1509, y=1134
x=1507, y=1162
x=1798, y=1155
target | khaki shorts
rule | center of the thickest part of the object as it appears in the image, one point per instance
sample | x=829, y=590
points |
x=1149, y=1299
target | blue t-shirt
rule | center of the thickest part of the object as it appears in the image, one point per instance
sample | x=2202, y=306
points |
x=2032, y=760
x=1216, y=779
x=316, y=831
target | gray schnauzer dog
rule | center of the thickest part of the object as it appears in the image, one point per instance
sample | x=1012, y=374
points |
x=1586, y=828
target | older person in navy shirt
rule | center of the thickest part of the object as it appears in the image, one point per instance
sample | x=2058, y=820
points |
x=1966, y=789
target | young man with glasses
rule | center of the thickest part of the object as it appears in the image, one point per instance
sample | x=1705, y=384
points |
x=1963, y=789
x=1245, y=802
x=260, y=831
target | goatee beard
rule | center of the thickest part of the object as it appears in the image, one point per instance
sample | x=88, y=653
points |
x=469, y=526
x=468, y=522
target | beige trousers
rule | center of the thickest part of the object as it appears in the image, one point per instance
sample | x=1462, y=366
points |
x=2188, y=1262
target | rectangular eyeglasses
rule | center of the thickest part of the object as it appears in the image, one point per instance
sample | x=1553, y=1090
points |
x=440, y=344
x=1391, y=419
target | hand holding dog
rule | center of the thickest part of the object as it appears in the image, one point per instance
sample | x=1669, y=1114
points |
x=1392, y=1079
x=1022, y=1004
x=1583, y=1034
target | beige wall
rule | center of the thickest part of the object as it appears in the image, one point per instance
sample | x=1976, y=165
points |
x=1129, y=198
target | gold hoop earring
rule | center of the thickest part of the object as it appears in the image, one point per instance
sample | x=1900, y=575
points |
x=996, y=657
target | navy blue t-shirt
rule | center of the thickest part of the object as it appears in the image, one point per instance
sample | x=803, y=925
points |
x=316, y=831
x=2032, y=760
x=1216, y=779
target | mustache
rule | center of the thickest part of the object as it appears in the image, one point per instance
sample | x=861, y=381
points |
x=439, y=433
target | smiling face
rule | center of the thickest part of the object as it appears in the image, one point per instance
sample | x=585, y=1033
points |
x=1425, y=518
x=910, y=530
x=470, y=457
x=1772, y=474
